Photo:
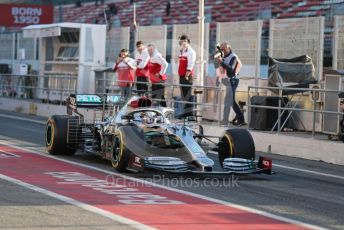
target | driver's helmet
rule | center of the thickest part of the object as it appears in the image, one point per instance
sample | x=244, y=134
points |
x=150, y=119
x=147, y=117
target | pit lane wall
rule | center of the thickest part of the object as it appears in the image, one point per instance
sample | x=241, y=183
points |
x=283, y=144
x=36, y=108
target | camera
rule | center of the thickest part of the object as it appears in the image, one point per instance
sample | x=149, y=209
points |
x=218, y=52
x=341, y=96
x=341, y=100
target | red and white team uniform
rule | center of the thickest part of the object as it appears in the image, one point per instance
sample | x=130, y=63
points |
x=125, y=71
x=142, y=61
x=157, y=65
x=187, y=58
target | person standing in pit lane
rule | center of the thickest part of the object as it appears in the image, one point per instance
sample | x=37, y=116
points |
x=187, y=59
x=157, y=74
x=142, y=74
x=125, y=67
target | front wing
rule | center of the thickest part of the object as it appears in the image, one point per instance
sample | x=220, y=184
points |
x=231, y=166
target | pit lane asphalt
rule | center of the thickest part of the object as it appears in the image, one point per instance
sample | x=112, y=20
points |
x=299, y=195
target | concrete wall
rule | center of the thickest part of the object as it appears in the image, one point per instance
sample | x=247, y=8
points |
x=34, y=108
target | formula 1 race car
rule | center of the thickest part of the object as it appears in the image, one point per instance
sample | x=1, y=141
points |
x=139, y=136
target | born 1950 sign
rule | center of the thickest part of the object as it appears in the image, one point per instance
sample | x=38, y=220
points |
x=19, y=15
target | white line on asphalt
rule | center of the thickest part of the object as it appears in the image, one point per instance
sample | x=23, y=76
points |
x=7, y=154
x=23, y=119
x=79, y=204
x=229, y=204
x=308, y=171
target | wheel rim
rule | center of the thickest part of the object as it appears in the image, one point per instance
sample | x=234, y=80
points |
x=225, y=152
x=117, y=151
x=230, y=145
x=49, y=137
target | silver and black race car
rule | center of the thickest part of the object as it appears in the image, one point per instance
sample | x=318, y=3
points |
x=139, y=136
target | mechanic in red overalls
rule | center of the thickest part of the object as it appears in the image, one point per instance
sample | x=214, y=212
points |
x=125, y=68
x=142, y=62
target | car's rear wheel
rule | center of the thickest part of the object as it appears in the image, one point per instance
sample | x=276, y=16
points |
x=236, y=143
x=56, y=135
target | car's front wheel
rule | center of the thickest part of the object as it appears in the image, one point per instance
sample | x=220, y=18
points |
x=127, y=140
x=236, y=143
x=120, y=154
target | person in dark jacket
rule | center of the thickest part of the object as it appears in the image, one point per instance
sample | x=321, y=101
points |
x=232, y=65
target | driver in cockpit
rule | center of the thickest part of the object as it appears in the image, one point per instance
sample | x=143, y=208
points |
x=147, y=118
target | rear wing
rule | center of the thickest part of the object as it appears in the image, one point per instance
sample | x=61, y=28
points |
x=94, y=101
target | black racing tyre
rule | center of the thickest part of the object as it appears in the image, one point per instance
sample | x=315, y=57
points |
x=56, y=134
x=128, y=139
x=236, y=143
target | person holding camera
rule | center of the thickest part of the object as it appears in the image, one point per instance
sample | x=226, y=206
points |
x=142, y=62
x=157, y=74
x=230, y=62
x=341, y=96
x=125, y=67
x=187, y=59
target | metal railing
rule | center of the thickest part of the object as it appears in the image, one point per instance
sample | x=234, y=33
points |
x=55, y=89
x=282, y=108
x=172, y=93
x=52, y=88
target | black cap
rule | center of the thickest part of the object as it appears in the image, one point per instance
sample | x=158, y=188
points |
x=341, y=95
